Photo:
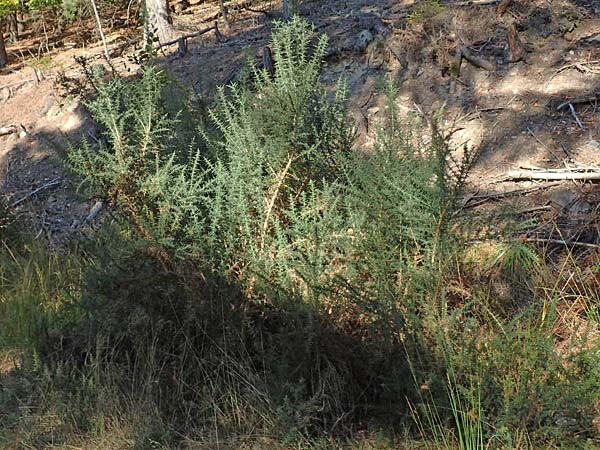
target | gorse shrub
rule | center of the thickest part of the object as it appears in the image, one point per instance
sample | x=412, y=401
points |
x=272, y=149
x=141, y=166
x=340, y=248
x=275, y=196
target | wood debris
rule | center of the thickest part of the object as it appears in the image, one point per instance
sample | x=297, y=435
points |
x=574, y=173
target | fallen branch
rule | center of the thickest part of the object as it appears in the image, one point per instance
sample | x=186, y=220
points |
x=476, y=60
x=8, y=130
x=575, y=115
x=559, y=242
x=554, y=174
x=476, y=200
x=102, y=37
x=578, y=101
x=472, y=3
x=530, y=131
x=503, y=6
x=579, y=66
x=49, y=184
x=258, y=11
x=516, y=50
x=16, y=84
x=187, y=36
x=535, y=209
x=94, y=211
x=477, y=113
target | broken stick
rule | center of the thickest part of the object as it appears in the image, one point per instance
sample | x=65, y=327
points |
x=553, y=174
x=516, y=51
x=503, y=6
x=50, y=184
x=579, y=101
x=187, y=36
x=8, y=130
x=477, y=61
x=575, y=115
x=559, y=242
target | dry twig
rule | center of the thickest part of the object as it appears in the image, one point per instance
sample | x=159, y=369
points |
x=187, y=36
x=559, y=242
x=477, y=61
x=577, y=101
x=476, y=200
x=575, y=115
x=49, y=184
x=8, y=130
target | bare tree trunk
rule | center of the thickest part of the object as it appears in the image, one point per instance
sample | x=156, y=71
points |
x=3, y=55
x=157, y=23
x=99, y=24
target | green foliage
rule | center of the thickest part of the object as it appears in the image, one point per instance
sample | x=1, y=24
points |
x=551, y=395
x=465, y=405
x=37, y=5
x=8, y=7
x=424, y=10
x=277, y=199
x=136, y=167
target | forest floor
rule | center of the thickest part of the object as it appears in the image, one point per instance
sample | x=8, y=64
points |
x=516, y=115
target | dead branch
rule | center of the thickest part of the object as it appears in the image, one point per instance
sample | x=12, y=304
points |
x=246, y=6
x=102, y=37
x=477, y=113
x=476, y=200
x=8, y=130
x=477, y=61
x=578, y=101
x=267, y=61
x=535, y=209
x=570, y=174
x=223, y=10
x=516, y=49
x=187, y=36
x=581, y=66
x=456, y=63
x=16, y=84
x=94, y=211
x=219, y=36
x=478, y=4
x=575, y=116
x=530, y=131
x=503, y=6
x=48, y=185
x=559, y=242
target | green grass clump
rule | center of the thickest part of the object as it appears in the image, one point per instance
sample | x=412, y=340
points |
x=424, y=10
